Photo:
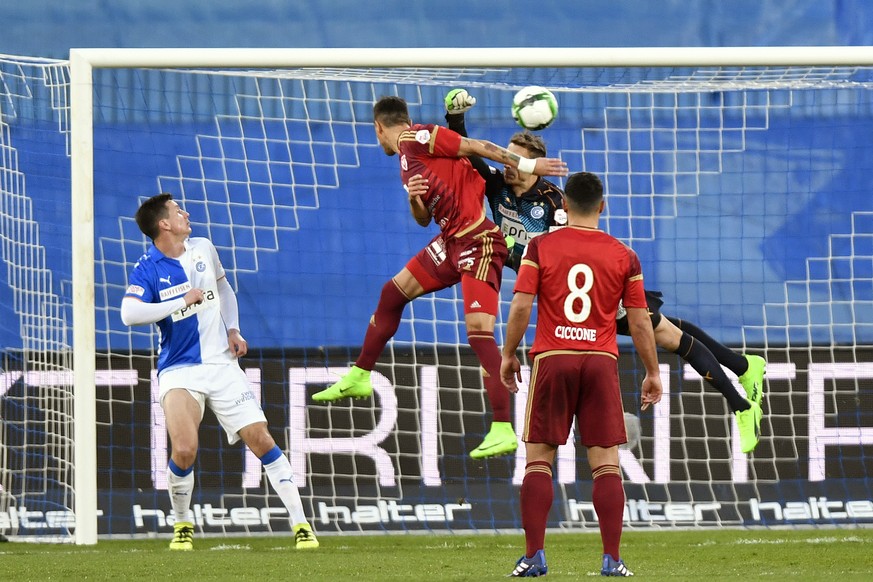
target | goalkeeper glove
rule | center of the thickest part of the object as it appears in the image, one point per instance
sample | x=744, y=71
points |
x=459, y=101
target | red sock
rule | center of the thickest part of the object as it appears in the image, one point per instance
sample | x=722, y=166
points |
x=608, y=498
x=536, y=502
x=488, y=353
x=383, y=325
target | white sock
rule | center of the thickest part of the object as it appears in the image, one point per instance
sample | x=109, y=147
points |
x=180, y=489
x=282, y=479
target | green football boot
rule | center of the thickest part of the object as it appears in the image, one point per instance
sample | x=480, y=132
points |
x=355, y=384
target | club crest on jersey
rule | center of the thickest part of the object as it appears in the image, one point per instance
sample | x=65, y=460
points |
x=200, y=266
x=422, y=136
x=537, y=212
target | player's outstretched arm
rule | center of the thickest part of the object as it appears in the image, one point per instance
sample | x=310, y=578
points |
x=459, y=101
x=492, y=151
x=640, y=326
x=517, y=322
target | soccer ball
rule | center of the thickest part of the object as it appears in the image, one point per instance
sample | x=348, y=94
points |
x=534, y=108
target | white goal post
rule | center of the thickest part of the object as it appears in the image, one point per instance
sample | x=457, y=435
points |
x=84, y=62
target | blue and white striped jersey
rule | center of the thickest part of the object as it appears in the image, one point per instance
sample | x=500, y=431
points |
x=195, y=334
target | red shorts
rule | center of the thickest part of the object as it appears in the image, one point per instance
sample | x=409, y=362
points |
x=565, y=384
x=443, y=262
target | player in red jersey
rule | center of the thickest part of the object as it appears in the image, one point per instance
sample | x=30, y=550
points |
x=525, y=206
x=579, y=274
x=469, y=249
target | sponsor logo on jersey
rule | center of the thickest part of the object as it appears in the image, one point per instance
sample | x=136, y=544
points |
x=437, y=251
x=135, y=290
x=516, y=230
x=165, y=280
x=210, y=298
x=403, y=164
x=175, y=291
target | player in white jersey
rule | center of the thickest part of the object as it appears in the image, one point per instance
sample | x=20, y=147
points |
x=180, y=285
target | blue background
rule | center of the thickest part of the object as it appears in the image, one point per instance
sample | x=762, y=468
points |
x=318, y=286
x=49, y=28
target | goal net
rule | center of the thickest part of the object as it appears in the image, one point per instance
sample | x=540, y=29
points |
x=744, y=189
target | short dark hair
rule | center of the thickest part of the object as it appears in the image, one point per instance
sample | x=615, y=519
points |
x=391, y=111
x=584, y=192
x=532, y=143
x=151, y=212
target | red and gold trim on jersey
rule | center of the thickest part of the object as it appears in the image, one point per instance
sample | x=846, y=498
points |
x=530, y=263
x=478, y=222
x=412, y=135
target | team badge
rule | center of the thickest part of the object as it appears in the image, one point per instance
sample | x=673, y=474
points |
x=537, y=212
x=200, y=266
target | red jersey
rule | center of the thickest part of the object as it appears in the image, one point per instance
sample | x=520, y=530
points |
x=456, y=196
x=579, y=275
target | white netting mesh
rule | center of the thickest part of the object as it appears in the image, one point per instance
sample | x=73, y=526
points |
x=743, y=190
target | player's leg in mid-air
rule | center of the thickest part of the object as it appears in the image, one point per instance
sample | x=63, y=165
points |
x=476, y=261
x=480, y=315
x=750, y=369
x=707, y=356
x=748, y=413
x=479, y=258
x=396, y=293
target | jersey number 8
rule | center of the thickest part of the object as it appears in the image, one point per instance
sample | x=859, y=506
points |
x=580, y=293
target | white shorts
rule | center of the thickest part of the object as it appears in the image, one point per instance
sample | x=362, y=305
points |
x=224, y=388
